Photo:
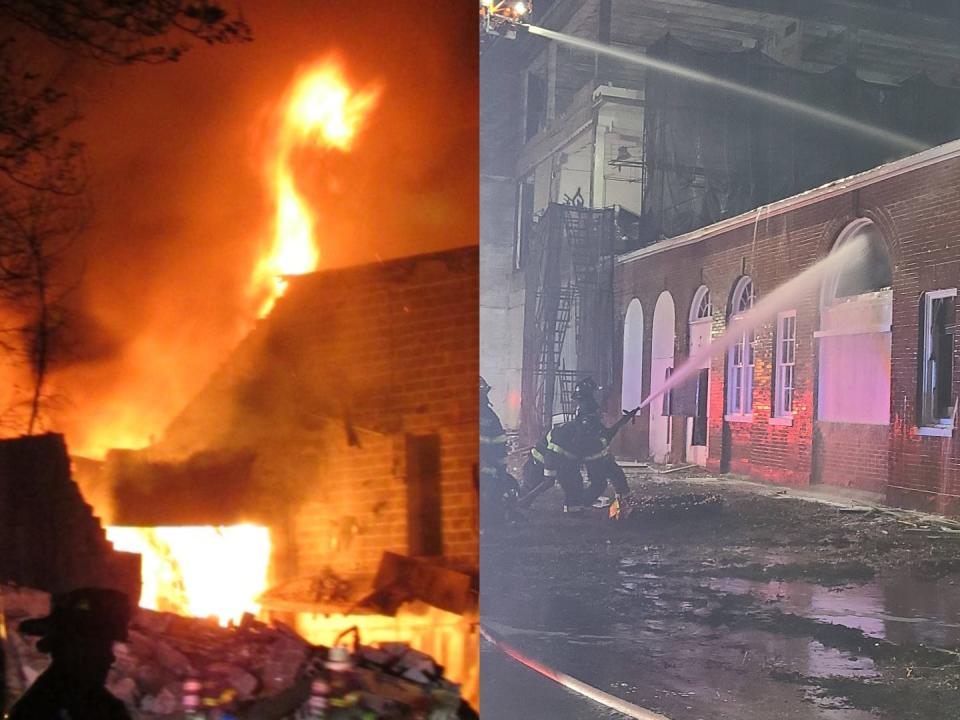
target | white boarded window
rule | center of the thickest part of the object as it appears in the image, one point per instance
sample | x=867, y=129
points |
x=854, y=339
x=740, y=357
x=786, y=360
x=938, y=318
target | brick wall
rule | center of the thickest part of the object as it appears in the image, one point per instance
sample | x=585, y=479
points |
x=918, y=214
x=49, y=537
x=387, y=351
x=852, y=456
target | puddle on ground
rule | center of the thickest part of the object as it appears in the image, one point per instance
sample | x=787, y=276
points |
x=901, y=610
x=687, y=673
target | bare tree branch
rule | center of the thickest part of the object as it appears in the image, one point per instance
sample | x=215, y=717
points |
x=121, y=32
x=42, y=177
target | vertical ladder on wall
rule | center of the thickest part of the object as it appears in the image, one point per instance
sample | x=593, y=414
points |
x=554, y=334
x=582, y=229
x=566, y=380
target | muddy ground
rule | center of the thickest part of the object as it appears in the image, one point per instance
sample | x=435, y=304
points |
x=766, y=607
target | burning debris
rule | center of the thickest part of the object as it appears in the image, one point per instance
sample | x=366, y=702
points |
x=171, y=664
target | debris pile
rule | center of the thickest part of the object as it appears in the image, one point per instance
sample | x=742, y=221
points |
x=250, y=671
x=668, y=507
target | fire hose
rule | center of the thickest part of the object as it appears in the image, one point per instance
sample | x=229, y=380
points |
x=572, y=684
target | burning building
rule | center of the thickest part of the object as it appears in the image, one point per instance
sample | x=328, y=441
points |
x=325, y=476
x=344, y=426
x=326, y=473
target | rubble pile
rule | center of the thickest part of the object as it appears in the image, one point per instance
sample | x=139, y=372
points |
x=252, y=671
x=669, y=507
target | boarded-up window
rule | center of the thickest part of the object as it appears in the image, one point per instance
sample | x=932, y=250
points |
x=700, y=419
x=667, y=408
x=424, y=499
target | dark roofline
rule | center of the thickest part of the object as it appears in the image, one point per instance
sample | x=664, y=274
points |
x=393, y=264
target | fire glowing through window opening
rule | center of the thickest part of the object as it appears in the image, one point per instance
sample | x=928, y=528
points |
x=320, y=110
x=199, y=571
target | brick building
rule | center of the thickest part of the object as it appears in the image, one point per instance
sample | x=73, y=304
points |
x=562, y=125
x=346, y=421
x=852, y=383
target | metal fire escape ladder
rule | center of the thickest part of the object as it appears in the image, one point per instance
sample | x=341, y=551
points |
x=554, y=330
x=583, y=230
x=567, y=282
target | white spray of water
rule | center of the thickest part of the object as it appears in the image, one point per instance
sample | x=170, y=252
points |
x=784, y=104
x=784, y=297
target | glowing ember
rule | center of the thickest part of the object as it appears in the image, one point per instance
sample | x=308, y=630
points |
x=200, y=571
x=320, y=111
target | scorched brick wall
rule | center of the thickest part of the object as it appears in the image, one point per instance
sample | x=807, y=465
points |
x=349, y=370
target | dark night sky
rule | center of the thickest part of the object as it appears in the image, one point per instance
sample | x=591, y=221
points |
x=176, y=154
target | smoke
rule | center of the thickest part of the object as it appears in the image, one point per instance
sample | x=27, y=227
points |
x=784, y=104
x=850, y=257
x=181, y=212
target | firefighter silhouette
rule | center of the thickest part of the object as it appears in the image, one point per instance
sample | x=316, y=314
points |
x=498, y=488
x=78, y=634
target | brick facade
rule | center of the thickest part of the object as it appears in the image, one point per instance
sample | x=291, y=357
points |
x=915, y=205
x=351, y=370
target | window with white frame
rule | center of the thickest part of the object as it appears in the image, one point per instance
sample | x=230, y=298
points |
x=938, y=318
x=702, y=308
x=786, y=359
x=740, y=358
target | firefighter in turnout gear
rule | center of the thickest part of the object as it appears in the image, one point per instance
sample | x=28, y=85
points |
x=594, y=450
x=498, y=488
x=555, y=459
x=582, y=441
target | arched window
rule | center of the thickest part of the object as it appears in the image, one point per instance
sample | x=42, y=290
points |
x=870, y=272
x=697, y=405
x=701, y=308
x=662, y=341
x=743, y=296
x=740, y=356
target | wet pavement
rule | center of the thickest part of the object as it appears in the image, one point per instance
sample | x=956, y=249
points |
x=770, y=608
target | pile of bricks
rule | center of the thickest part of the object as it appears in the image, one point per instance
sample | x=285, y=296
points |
x=252, y=670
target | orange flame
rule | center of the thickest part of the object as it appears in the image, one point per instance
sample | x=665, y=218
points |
x=200, y=571
x=321, y=111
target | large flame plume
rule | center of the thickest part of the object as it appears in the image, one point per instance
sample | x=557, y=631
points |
x=220, y=572
x=319, y=111
x=200, y=571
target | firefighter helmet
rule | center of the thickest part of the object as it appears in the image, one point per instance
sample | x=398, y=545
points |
x=584, y=389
